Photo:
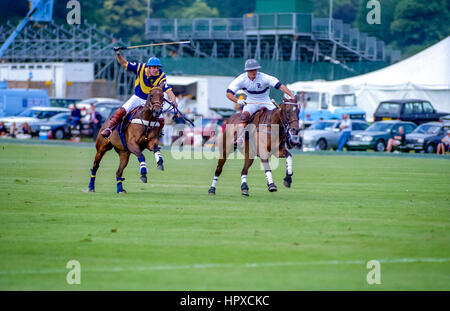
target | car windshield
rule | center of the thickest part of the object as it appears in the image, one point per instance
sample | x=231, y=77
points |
x=60, y=116
x=30, y=113
x=391, y=108
x=322, y=126
x=427, y=129
x=380, y=127
x=347, y=100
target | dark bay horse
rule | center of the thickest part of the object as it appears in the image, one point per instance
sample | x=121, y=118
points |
x=142, y=133
x=271, y=132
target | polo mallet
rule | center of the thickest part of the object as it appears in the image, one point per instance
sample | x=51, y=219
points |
x=158, y=44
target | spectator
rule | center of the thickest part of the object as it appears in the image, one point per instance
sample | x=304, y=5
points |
x=26, y=128
x=75, y=121
x=3, y=130
x=398, y=140
x=346, y=129
x=95, y=121
x=13, y=130
x=25, y=131
x=444, y=145
x=168, y=128
x=75, y=116
x=181, y=102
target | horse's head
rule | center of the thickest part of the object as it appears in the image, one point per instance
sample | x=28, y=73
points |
x=155, y=101
x=289, y=113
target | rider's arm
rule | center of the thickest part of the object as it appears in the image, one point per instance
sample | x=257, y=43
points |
x=231, y=97
x=286, y=91
x=171, y=96
x=122, y=61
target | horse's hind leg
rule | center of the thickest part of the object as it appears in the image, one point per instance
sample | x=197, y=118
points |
x=225, y=143
x=102, y=147
x=244, y=187
x=134, y=148
x=270, y=184
x=124, y=157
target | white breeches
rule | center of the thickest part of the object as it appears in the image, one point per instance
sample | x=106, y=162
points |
x=254, y=107
x=133, y=102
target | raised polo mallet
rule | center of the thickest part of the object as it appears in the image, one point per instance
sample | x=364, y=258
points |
x=158, y=44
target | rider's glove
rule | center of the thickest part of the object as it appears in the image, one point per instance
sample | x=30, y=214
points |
x=117, y=50
x=174, y=104
x=241, y=102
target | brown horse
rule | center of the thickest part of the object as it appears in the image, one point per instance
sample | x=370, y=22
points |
x=142, y=133
x=271, y=132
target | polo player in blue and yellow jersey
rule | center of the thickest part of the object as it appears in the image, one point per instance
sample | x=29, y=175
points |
x=148, y=75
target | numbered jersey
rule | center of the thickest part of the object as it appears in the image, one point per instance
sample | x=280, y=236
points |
x=143, y=83
x=258, y=90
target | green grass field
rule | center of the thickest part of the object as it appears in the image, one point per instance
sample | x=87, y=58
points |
x=168, y=234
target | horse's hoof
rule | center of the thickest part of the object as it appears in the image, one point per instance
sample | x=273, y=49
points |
x=287, y=181
x=144, y=178
x=244, y=189
x=122, y=192
x=91, y=190
x=272, y=187
x=212, y=191
x=160, y=167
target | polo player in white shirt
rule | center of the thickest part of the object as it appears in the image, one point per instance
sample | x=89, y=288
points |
x=256, y=86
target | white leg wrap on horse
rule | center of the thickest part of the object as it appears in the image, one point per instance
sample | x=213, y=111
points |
x=289, y=165
x=214, y=182
x=269, y=177
x=158, y=155
x=243, y=179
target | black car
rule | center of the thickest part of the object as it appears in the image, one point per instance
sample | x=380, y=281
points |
x=415, y=110
x=377, y=135
x=56, y=127
x=426, y=137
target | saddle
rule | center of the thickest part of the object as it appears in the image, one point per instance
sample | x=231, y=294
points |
x=257, y=115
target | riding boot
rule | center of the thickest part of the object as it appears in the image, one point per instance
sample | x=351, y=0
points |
x=113, y=122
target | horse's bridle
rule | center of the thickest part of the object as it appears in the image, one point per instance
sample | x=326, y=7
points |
x=153, y=102
x=287, y=125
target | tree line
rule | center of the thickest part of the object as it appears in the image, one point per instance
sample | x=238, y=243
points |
x=409, y=25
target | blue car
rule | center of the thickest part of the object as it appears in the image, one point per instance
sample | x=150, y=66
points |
x=56, y=127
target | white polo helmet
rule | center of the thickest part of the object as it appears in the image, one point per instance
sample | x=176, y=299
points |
x=251, y=64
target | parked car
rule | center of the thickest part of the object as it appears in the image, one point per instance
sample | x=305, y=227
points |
x=415, y=110
x=426, y=137
x=377, y=135
x=33, y=115
x=203, y=131
x=63, y=102
x=323, y=135
x=56, y=127
x=85, y=105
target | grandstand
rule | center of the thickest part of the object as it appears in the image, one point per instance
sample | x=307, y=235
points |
x=291, y=33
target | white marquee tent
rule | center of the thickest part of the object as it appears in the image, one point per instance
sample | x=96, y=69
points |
x=425, y=75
